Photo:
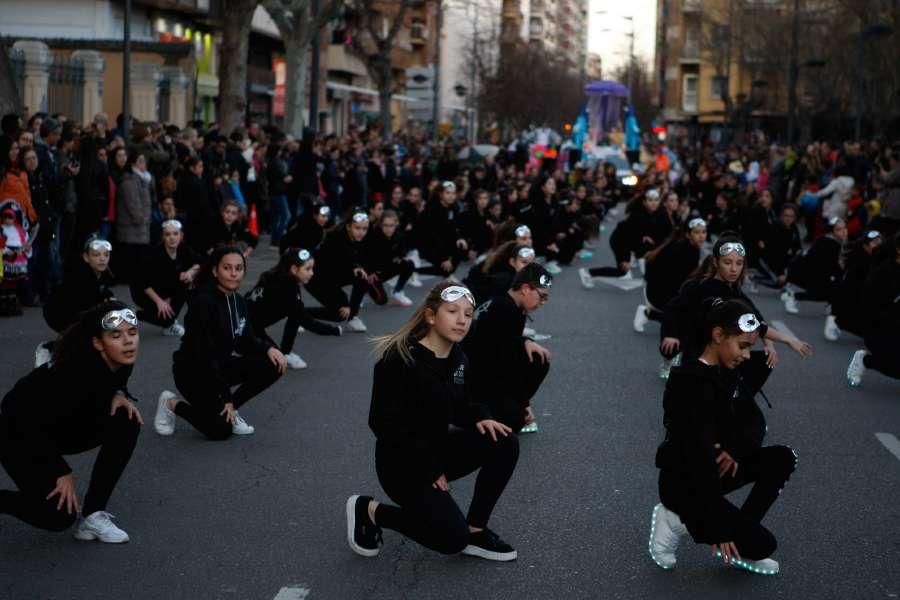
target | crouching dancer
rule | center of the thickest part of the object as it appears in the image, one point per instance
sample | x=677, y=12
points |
x=429, y=433
x=76, y=402
x=713, y=446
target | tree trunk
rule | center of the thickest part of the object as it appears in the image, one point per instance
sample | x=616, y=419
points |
x=384, y=94
x=238, y=14
x=296, y=71
x=9, y=98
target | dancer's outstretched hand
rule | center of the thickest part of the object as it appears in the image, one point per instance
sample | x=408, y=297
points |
x=492, y=427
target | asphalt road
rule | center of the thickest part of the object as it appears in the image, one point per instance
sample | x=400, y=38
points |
x=262, y=516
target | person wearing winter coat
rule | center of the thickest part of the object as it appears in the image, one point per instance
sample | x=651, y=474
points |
x=134, y=214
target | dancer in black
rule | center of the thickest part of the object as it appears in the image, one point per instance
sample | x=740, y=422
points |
x=847, y=313
x=340, y=263
x=494, y=276
x=440, y=241
x=818, y=270
x=668, y=267
x=881, y=326
x=160, y=288
x=277, y=296
x=231, y=231
x=429, y=433
x=85, y=284
x=77, y=402
x=713, y=446
x=219, y=350
x=506, y=367
x=385, y=258
x=308, y=230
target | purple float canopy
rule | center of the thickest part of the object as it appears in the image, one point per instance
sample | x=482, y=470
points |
x=604, y=106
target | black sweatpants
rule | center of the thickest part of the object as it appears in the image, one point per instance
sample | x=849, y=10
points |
x=202, y=406
x=148, y=313
x=403, y=270
x=115, y=435
x=430, y=516
x=768, y=469
x=883, y=353
x=507, y=386
x=329, y=294
x=569, y=246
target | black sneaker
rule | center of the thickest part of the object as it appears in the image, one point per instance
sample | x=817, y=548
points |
x=487, y=544
x=363, y=536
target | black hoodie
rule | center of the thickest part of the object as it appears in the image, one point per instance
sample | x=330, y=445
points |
x=215, y=328
x=413, y=406
x=700, y=411
x=669, y=269
x=81, y=289
x=38, y=414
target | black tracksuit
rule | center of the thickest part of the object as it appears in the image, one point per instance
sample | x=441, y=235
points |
x=628, y=236
x=161, y=272
x=503, y=377
x=437, y=230
x=303, y=233
x=413, y=408
x=386, y=257
x=566, y=223
x=700, y=412
x=782, y=247
x=233, y=235
x=219, y=350
x=192, y=198
x=277, y=297
x=881, y=306
x=59, y=410
x=476, y=231
x=846, y=301
x=759, y=225
x=81, y=289
x=540, y=220
x=335, y=263
x=666, y=273
x=818, y=270
x=495, y=282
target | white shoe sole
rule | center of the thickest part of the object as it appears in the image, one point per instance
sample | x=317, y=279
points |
x=90, y=536
x=488, y=555
x=167, y=427
x=653, y=521
x=351, y=525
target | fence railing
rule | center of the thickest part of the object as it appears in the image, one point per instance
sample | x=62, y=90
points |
x=65, y=86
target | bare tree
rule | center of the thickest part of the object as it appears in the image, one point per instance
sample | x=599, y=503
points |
x=9, y=97
x=237, y=18
x=643, y=97
x=481, y=49
x=375, y=31
x=298, y=26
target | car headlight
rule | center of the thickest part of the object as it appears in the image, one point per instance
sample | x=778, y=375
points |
x=629, y=180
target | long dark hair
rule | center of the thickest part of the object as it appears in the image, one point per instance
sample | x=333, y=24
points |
x=74, y=344
x=500, y=256
x=206, y=276
x=289, y=258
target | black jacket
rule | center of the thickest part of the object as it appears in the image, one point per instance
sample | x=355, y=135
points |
x=782, y=247
x=669, y=269
x=414, y=405
x=685, y=313
x=44, y=406
x=381, y=253
x=216, y=327
x=161, y=272
x=819, y=266
x=476, y=231
x=881, y=300
x=495, y=282
x=437, y=231
x=233, y=235
x=81, y=289
x=846, y=302
x=700, y=411
x=338, y=256
x=192, y=199
x=276, y=297
x=303, y=233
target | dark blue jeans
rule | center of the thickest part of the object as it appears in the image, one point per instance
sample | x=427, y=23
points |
x=281, y=214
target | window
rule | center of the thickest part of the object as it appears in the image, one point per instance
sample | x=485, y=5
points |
x=717, y=87
x=689, y=93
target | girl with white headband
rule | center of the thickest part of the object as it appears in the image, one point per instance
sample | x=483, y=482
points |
x=712, y=447
x=430, y=433
x=276, y=296
x=308, y=230
x=847, y=312
x=818, y=270
x=340, y=263
x=668, y=267
x=161, y=286
x=77, y=402
x=494, y=276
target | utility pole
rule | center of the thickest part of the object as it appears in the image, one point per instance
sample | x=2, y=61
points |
x=126, y=70
x=793, y=74
x=436, y=101
x=314, y=76
x=631, y=58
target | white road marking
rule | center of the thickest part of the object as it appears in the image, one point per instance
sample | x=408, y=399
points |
x=780, y=326
x=890, y=441
x=292, y=593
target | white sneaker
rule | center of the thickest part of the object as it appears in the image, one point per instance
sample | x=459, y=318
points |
x=164, y=422
x=400, y=299
x=640, y=318
x=832, y=331
x=553, y=267
x=99, y=526
x=300, y=329
x=294, y=361
x=790, y=302
x=857, y=368
x=240, y=426
x=414, y=281
x=666, y=531
x=766, y=566
x=41, y=354
x=529, y=332
x=587, y=281
x=642, y=265
x=175, y=330
x=626, y=276
x=356, y=325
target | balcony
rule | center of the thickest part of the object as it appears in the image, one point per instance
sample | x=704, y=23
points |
x=692, y=6
x=690, y=52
